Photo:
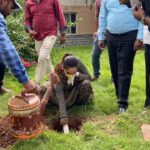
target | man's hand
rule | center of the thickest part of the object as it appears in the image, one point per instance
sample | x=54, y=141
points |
x=32, y=33
x=30, y=87
x=101, y=45
x=95, y=35
x=138, y=13
x=62, y=39
x=138, y=45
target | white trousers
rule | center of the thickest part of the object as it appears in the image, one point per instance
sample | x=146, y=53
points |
x=44, y=66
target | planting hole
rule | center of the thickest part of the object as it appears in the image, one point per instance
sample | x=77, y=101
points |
x=75, y=124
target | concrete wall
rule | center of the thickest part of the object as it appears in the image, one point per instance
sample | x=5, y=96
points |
x=75, y=2
x=86, y=24
x=85, y=15
x=77, y=40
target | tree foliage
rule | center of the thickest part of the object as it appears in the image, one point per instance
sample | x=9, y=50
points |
x=23, y=43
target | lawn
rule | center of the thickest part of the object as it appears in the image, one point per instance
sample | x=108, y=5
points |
x=103, y=129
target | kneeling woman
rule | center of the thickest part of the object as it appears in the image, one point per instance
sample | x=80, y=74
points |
x=71, y=87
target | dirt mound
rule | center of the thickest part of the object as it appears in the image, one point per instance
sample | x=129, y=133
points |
x=75, y=124
x=5, y=138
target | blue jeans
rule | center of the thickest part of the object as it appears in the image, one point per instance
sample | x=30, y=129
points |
x=2, y=72
x=96, y=52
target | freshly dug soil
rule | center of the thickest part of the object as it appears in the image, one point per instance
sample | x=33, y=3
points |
x=5, y=138
x=75, y=124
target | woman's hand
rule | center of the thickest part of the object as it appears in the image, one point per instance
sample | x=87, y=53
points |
x=54, y=78
x=63, y=121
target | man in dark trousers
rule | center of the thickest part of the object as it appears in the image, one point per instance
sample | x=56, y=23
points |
x=143, y=15
x=124, y=35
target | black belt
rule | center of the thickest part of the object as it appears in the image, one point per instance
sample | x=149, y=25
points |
x=122, y=34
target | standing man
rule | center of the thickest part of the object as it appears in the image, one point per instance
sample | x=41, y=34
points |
x=124, y=36
x=96, y=51
x=143, y=15
x=147, y=63
x=8, y=53
x=41, y=22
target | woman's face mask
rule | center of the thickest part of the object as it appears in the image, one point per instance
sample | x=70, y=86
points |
x=70, y=72
x=69, y=76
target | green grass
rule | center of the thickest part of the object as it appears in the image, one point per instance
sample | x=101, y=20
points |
x=104, y=129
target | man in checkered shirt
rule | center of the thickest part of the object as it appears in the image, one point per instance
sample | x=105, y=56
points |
x=8, y=53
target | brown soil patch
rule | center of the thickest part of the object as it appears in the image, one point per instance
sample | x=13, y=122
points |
x=75, y=124
x=5, y=138
x=105, y=123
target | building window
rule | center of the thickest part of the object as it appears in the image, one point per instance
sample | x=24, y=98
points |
x=71, y=19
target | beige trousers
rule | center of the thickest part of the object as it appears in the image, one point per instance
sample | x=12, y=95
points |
x=44, y=66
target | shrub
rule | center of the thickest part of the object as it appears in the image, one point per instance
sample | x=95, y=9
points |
x=23, y=43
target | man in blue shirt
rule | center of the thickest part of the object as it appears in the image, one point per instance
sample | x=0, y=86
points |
x=124, y=36
x=8, y=53
x=143, y=15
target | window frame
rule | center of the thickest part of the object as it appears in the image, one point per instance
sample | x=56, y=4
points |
x=68, y=15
